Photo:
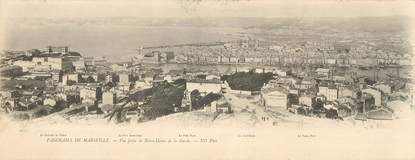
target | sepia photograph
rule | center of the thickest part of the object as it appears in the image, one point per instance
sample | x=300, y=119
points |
x=209, y=79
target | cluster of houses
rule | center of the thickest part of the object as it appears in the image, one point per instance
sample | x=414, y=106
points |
x=355, y=98
x=310, y=53
x=72, y=81
x=57, y=78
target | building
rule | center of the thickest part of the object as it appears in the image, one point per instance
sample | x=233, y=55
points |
x=227, y=45
x=79, y=65
x=170, y=56
x=41, y=68
x=259, y=70
x=168, y=78
x=293, y=90
x=140, y=84
x=331, y=61
x=377, y=95
x=57, y=49
x=87, y=94
x=249, y=60
x=223, y=108
x=151, y=58
x=282, y=73
x=345, y=91
x=223, y=59
x=49, y=101
x=59, y=63
x=124, y=78
x=204, y=86
x=186, y=101
x=89, y=61
x=268, y=70
x=330, y=91
x=242, y=69
x=257, y=60
x=305, y=83
x=108, y=78
x=70, y=77
x=233, y=59
x=109, y=98
x=384, y=88
x=212, y=77
x=46, y=64
x=56, y=76
x=274, y=98
x=90, y=77
x=339, y=78
x=249, y=43
x=26, y=65
x=119, y=67
x=323, y=72
x=101, y=62
x=148, y=77
x=306, y=100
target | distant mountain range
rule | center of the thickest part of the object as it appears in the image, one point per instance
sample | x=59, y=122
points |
x=366, y=23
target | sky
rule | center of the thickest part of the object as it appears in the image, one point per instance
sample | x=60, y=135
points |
x=204, y=8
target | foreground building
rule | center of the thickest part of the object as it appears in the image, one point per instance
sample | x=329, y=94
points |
x=274, y=98
x=204, y=86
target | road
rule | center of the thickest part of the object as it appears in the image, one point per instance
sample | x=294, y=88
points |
x=240, y=103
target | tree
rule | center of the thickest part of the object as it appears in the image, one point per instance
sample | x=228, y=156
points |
x=70, y=82
x=110, y=85
x=224, y=77
x=201, y=76
x=347, y=50
x=195, y=97
x=115, y=78
x=180, y=81
x=248, y=81
x=73, y=99
x=133, y=78
x=132, y=86
x=293, y=99
x=7, y=107
x=332, y=114
x=209, y=99
x=101, y=77
x=90, y=79
x=301, y=111
x=60, y=105
x=317, y=105
x=369, y=81
x=16, y=94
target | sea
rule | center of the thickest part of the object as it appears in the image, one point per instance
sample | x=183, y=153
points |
x=108, y=40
